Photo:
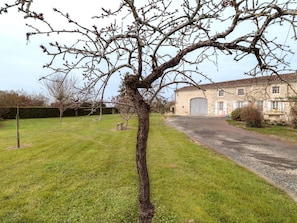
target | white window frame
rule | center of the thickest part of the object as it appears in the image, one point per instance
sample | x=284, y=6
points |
x=220, y=105
x=275, y=105
x=221, y=108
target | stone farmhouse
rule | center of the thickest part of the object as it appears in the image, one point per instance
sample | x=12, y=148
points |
x=270, y=94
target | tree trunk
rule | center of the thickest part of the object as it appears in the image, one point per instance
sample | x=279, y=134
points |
x=143, y=110
x=61, y=114
x=146, y=207
x=126, y=124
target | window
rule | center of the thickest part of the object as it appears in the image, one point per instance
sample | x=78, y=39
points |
x=275, y=105
x=240, y=91
x=275, y=90
x=221, y=93
x=221, y=105
x=239, y=104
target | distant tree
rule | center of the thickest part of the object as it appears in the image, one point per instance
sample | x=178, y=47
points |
x=63, y=89
x=30, y=100
x=20, y=98
x=169, y=107
x=3, y=108
x=161, y=42
x=9, y=98
x=158, y=105
x=124, y=104
x=125, y=107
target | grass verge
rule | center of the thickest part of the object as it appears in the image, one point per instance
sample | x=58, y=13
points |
x=279, y=131
x=84, y=171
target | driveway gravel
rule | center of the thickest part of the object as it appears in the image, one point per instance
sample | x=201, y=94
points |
x=273, y=159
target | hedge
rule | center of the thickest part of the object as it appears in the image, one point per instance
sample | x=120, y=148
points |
x=43, y=112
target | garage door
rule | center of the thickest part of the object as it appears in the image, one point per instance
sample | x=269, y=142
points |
x=199, y=106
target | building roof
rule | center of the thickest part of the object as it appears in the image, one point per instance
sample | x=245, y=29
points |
x=272, y=79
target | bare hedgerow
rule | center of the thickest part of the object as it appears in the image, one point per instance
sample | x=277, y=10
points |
x=251, y=116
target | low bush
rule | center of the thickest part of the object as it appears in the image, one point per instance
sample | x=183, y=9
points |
x=251, y=116
x=236, y=114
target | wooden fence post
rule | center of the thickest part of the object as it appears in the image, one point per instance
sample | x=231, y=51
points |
x=18, y=126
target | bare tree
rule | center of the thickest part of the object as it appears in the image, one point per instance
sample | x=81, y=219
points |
x=3, y=105
x=125, y=107
x=63, y=90
x=156, y=43
x=21, y=98
x=124, y=104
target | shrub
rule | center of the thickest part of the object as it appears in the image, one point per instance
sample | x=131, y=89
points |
x=236, y=114
x=251, y=116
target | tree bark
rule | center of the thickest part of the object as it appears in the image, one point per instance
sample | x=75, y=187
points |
x=61, y=112
x=143, y=110
x=146, y=207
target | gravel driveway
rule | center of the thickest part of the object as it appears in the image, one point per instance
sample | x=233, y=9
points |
x=273, y=159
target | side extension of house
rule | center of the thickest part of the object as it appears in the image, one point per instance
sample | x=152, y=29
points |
x=270, y=94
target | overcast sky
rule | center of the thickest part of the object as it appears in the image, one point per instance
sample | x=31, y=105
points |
x=21, y=61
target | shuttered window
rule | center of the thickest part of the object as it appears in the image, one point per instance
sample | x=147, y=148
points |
x=275, y=106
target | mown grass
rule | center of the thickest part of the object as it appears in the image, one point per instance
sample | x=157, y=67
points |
x=84, y=171
x=279, y=131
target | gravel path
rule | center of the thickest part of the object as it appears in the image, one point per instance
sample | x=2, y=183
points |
x=273, y=159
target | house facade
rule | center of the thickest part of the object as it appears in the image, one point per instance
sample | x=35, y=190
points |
x=270, y=94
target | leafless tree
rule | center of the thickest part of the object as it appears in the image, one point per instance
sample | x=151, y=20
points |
x=63, y=90
x=124, y=104
x=156, y=43
x=10, y=99
x=125, y=107
x=3, y=105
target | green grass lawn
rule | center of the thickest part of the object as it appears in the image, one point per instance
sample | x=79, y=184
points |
x=279, y=131
x=84, y=171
